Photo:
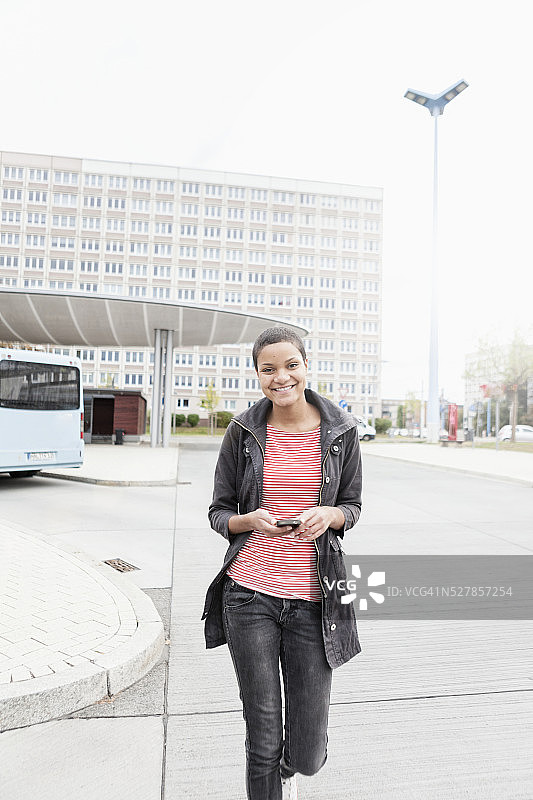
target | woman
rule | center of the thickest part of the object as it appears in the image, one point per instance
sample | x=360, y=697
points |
x=293, y=455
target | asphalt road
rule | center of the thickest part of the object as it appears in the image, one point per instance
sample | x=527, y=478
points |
x=437, y=716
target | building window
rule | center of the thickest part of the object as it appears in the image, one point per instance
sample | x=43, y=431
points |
x=118, y=182
x=209, y=296
x=68, y=178
x=94, y=180
x=165, y=187
x=281, y=259
x=137, y=204
x=183, y=359
x=186, y=294
x=10, y=239
x=207, y=360
x=142, y=184
x=283, y=197
x=306, y=280
x=137, y=225
x=91, y=223
x=34, y=263
x=38, y=175
x=230, y=383
x=165, y=207
x=236, y=213
x=258, y=215
x=231, y=361
x=259, y=195
x=236, y=193
x=62, y=264
x=42, y=197
x=281, y=280
x=210, y=274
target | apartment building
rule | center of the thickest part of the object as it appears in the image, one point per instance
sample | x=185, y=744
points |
x=297, y=250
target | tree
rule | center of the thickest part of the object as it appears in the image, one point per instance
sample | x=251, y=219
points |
x=210, y=401
x=518, y=367
x=382, y=424
x=502, y=369
x=400, y=417
x=412, y=407
x=322, y=389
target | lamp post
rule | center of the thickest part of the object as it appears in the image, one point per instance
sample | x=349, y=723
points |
x=435, y=103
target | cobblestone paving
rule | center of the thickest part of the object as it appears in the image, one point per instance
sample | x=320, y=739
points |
x=54, y=614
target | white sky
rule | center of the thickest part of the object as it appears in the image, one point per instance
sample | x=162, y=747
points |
x=313, y=90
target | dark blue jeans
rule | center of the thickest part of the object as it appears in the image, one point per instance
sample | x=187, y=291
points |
x=263, y=631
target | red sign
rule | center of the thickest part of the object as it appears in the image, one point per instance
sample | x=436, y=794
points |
x=452, y=422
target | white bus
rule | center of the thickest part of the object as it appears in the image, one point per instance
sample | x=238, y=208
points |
x=41, y=412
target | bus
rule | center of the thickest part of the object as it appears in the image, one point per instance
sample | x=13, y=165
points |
x=41, y=412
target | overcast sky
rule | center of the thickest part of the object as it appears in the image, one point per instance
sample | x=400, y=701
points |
x=313, y=90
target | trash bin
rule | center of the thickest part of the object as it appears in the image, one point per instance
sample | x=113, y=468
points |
x=119, y=435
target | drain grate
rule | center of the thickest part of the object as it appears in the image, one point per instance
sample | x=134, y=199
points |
x=120, y=565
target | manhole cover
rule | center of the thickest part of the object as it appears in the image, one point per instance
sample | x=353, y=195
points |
x=120, y=565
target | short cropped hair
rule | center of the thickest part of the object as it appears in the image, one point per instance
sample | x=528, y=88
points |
x=273, y=336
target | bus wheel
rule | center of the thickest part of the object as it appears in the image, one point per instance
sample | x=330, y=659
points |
x=25, y=473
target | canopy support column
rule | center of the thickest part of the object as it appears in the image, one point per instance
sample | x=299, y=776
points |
x=162, y=388
x=156, y=391
x=167, y=410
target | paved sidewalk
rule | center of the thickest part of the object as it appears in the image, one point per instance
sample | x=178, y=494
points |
x=123, y=465
x=433, y=710
x=72, y=630
x=515, y=467
x=141, y=465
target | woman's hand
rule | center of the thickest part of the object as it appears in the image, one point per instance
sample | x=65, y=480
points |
x=258, y=520
x=315, y=521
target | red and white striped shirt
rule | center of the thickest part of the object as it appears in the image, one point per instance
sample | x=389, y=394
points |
x=284, y=566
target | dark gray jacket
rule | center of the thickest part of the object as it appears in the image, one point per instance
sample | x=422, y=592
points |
x=238, y=488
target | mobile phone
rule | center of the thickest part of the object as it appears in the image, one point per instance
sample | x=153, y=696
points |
x=281, y=523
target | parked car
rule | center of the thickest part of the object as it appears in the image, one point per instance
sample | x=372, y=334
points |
x=524, y=433
x=366, y=431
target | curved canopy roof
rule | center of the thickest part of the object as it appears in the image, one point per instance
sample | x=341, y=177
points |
x=74, y=318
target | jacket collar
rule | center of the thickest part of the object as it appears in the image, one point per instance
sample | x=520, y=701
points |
x=334, y=420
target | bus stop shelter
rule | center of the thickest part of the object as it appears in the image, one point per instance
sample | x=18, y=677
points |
x=76, y=319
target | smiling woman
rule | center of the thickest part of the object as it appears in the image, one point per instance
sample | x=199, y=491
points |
x=292, y=458
x=281, y=367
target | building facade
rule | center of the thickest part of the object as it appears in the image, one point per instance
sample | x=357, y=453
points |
x=296, y=250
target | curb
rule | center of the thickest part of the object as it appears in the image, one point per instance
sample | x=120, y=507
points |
x=45, y=698
x=105, y=482
x=463, y=470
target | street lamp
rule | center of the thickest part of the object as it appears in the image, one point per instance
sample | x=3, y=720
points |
x=435, y=103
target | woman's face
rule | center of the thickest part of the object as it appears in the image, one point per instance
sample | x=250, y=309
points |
x=282, y=373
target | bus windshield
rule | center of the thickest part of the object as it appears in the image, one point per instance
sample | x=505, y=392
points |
x=46, y=387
